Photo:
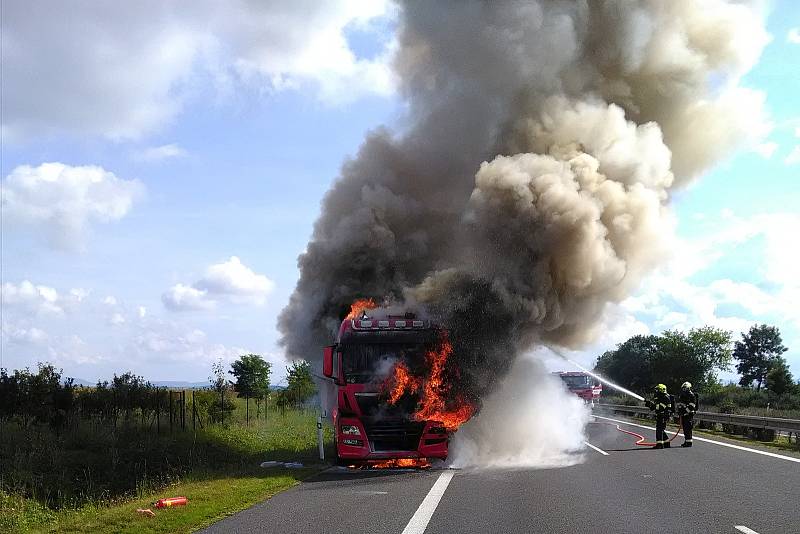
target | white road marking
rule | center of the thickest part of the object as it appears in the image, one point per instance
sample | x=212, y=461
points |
x=371, y=492
x=425, y=511
x=695, y=438
x=742, y=528
x=598, y=449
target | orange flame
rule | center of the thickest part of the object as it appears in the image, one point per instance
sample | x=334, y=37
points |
x=359, y=306
x=419, y=463
x=403, y=381
x=435, y=401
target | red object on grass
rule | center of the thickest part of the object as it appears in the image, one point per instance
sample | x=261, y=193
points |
x=170, y=502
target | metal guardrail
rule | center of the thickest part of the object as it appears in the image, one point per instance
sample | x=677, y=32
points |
x=749, y=421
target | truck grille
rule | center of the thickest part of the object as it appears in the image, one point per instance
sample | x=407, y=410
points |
x=393, y=435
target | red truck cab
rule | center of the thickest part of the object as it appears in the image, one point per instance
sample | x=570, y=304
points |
x=582, y=385
x=366, y=427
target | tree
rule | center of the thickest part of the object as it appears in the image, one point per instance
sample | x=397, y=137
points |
x=220, y=385
x=300, y=382
x=779, y=379
x=671, y=358
x=252, y=378
x=757, y=353
x=630, y=363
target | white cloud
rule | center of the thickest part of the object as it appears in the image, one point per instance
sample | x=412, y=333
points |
x=797, y=132
x=162, y=152
x=169, y=342
x=234, y=279
x=793, y=36
x=110, y=300
x=181, y=298
x=231, y=281
x=34, y=299
x=123, y=72
x=766, y=150
x=61, y=201
x=117, y=319
x=73, y=350
x=24, y=336
x=794, y=156
x=142, y=311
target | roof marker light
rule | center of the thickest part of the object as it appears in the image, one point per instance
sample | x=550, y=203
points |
x=417, y=324
x=400, y=324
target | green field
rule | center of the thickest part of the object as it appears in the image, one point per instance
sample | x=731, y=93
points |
x=92, y=478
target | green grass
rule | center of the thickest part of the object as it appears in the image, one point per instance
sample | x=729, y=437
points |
x=92, y=478
x=211, y=497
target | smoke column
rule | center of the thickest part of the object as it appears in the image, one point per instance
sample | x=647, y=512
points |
x=527, y=187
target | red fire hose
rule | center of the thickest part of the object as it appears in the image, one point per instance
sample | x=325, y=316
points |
x=643, y=443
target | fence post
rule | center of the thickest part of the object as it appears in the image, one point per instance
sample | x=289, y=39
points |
x=194, y=414
x=158, y=410
x=171, y=411
x=319, y=438
x=183, y=409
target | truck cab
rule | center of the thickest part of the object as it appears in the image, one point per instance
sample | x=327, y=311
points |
x=367, y=427
x=582, y=385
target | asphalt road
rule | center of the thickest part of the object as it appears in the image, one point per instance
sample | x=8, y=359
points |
x=708, y=488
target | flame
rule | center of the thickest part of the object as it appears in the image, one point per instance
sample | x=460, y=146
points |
x=404, y=382
x=435, y=402
x=359, y=306
x=419, y=463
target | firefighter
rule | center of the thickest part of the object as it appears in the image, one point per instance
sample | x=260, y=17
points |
x=663, y=404
x=688, y=402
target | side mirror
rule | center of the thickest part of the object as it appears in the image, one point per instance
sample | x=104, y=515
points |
x=327, y=361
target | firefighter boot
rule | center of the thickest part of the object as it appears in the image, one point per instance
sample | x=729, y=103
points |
x=666, y=445
x=686, y=444
x=658, y=446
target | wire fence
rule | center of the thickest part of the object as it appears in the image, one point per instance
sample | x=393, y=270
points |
x=28, y=399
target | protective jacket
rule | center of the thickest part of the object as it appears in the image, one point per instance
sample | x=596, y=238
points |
x=688, y=402
x=662, y=404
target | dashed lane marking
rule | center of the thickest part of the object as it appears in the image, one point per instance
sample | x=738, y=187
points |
x=425, y=511
x=742, y=528
x=598, y=449
x=731, y=445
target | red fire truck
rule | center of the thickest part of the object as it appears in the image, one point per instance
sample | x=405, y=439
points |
x=367, y=427
x=582, y=384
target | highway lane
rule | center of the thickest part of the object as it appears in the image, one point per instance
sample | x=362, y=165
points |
x=708, y=488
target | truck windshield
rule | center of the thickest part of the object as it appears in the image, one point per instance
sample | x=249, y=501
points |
x=366, y=363
x=577, y=382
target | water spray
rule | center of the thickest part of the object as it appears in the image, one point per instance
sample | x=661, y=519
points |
x=598, y=377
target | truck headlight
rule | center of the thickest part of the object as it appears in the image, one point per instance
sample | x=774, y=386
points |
x=351, y=430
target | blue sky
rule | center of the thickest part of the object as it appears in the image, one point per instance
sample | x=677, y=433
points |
x=189, y=172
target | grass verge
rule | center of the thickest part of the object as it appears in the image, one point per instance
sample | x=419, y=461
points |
x=94, y=478
x=212, y=496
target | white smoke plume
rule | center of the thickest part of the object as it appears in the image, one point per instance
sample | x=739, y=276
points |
x=530, y=421
x=529, y=184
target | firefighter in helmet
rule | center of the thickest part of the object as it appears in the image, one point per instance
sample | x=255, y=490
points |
x=663, y=404
x=688, y=402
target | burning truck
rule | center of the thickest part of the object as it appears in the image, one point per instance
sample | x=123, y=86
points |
x=392, y=406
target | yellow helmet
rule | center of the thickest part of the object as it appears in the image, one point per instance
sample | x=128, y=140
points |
x=661, y=388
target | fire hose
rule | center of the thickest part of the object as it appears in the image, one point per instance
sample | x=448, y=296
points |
x=643, y=443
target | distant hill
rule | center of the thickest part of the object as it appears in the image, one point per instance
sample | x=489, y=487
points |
x=80, y=381
x=181, y=384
